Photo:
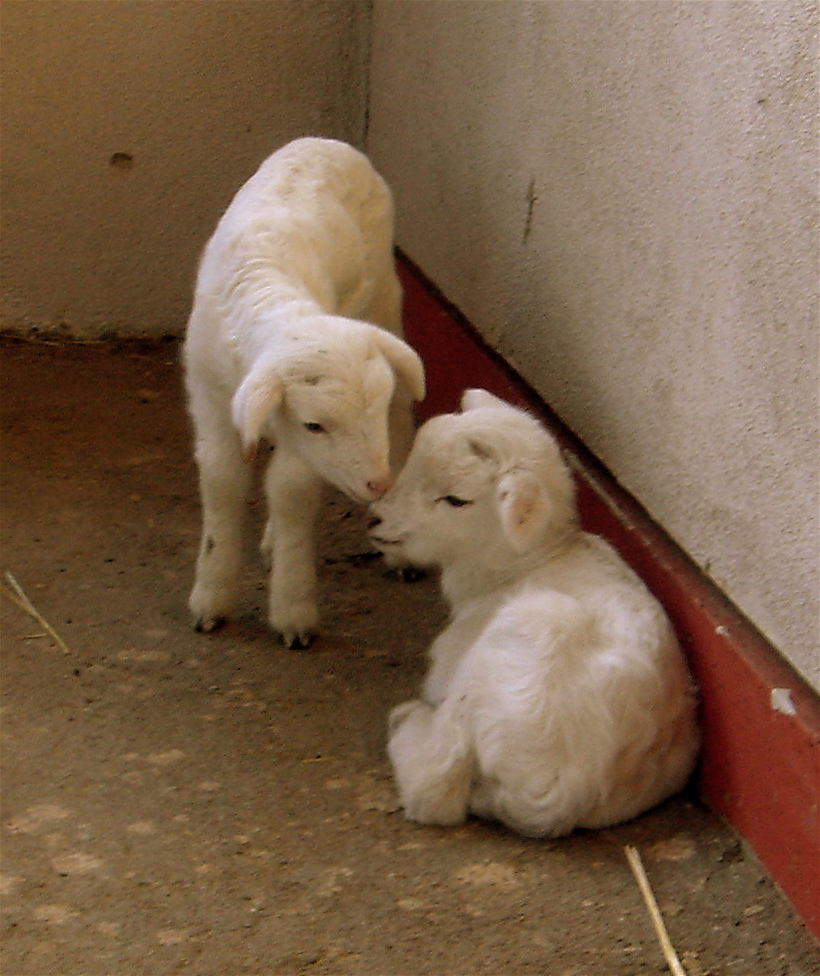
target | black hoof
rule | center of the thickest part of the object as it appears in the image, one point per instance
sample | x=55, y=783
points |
x=297, y=642
x=410, y=574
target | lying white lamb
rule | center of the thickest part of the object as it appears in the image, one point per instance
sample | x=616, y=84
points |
x=558, y=696
x=280, y=347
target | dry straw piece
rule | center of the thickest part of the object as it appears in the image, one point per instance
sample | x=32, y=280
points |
x=669, y=953
x=22, y=601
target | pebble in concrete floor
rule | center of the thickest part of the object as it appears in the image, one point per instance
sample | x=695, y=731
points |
x=214, y=805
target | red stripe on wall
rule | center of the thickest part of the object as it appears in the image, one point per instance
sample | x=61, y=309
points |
x=760, y=766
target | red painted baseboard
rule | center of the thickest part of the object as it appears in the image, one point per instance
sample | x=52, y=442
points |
x=760, y=766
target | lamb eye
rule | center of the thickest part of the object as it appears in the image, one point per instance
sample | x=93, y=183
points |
x=314, y=428
x=454, y=501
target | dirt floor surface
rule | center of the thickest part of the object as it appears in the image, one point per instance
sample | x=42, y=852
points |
x=212, y=805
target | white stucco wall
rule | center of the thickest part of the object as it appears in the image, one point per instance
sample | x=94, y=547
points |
x=622, y=197
x=197, y=94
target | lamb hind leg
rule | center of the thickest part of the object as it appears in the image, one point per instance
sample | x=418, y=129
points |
x=432, y=761
x=224, y=481
x=294, y=495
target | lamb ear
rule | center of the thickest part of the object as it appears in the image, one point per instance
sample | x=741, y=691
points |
x=524, y=508
x=260, y=392
x=405, y=361
x=482, y=449
x=472, y=399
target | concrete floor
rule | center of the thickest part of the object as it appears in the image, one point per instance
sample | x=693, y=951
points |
x=215, y=804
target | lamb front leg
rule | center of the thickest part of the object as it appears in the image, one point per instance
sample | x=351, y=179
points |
x=224, y=481
x=294, y=495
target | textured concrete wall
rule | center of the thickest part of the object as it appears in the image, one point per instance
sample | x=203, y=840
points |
x=126, y=128
x=623, y=198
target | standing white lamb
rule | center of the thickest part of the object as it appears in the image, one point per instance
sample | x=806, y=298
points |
x=557, y=697
x=294, y=338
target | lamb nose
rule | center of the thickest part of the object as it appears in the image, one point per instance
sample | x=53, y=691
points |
x=378, y=488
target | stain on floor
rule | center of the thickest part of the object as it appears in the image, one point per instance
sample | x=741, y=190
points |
x=212, y=805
